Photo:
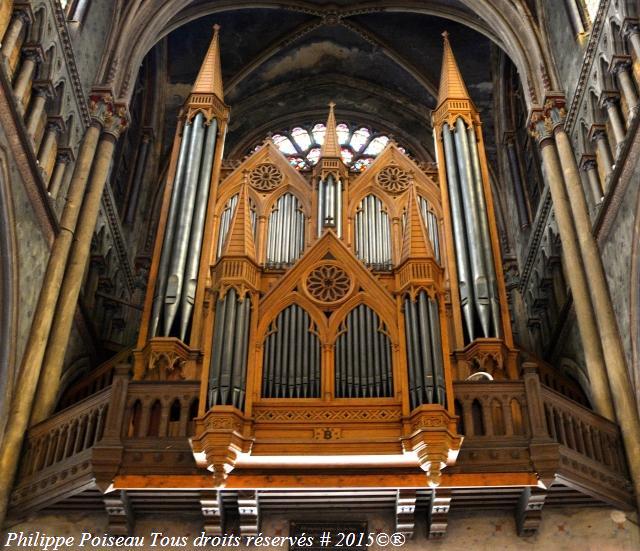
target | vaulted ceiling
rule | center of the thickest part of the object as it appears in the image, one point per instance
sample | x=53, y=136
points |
x=283, y=66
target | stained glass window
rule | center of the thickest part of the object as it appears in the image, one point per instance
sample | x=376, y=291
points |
x=360, y=145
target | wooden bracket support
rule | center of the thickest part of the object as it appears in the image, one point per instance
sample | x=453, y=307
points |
x=438, y=513
x=529, y=511
x=213, y=513
x=406, y=512
x=249, y=511
x=119, y=513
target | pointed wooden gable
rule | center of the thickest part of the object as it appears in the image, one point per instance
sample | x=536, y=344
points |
x=239, y=240
x=416, y=243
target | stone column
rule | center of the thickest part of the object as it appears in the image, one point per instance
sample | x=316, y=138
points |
x=24, y=80
x=576, y=274
x=38, y=103
x=631, y=31
x=35, y=347
x=49, y=147
x=590, y=168
x=5, y=16
x=138, y=176
x=609, y=101
x=67, y=301
x=621, y=68
x=598, y=135
x=62, y=160
x=21, y=18
x=514, y=166
x=619, y=382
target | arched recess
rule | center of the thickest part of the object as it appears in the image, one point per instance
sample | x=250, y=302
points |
x=8, y=293
x=510, y=26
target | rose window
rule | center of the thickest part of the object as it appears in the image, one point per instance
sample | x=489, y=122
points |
x=328, y=283
x=393, y=179
x=265, y=177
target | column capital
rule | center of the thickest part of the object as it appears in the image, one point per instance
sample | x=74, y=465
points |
x=588, y=162
x=33, y=51
x=65, y=155
x=544, y=120
x=23, y=11
x=56, y=124
x=112, y=116
x=608, y=97
x=597, y=132
x=620, y=63
x=44, y=87
x=630, y=26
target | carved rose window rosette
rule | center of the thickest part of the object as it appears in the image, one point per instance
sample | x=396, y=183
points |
x=328, y=283
x=394, y=179
x=265, y=177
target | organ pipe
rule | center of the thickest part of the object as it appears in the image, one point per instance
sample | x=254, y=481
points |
x=291, y=357
x=228, y=376
x=285, y=238
x=373, y=234
x=363, y=367
x=330, y=204
x=424, y=351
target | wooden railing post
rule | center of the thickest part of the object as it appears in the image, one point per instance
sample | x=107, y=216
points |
x=545, y=453
x=107, y=454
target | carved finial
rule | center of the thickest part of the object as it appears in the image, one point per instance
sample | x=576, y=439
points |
x=209, y=79
x=445, y=35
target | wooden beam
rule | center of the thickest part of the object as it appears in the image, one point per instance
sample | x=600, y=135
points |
x=406, y=512
x=438, y=513
x=239, y=480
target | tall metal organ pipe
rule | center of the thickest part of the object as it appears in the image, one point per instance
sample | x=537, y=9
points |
x=167, y=243
x=459, y=232
x=291, y=357
x=363, y=366
x=373, y=234
x=286, y=234
x=472, y=220
x=424, y=351
x=330, y=204
x=228, y=373
x=484, y=232
x=197, y=229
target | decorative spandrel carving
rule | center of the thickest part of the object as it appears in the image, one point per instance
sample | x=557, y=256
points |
x=394, y=179
x=265, y=177
x=328, y=283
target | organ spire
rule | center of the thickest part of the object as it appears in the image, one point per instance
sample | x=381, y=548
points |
x=452, y=86
x=240, y=237
x=416, y=243
x=331, y=145
x=209, y=79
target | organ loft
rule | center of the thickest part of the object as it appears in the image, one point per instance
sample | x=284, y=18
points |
x=327, y=325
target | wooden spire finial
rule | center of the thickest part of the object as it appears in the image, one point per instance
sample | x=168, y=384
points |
x=416, y=243
x=331, y=145
x=209, y=79
x=239, y=240
x=452, y=85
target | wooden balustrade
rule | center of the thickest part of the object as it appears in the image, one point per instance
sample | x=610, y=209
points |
x=583, y=431
x=160, y=410
x=66, y=434
x=491, y=409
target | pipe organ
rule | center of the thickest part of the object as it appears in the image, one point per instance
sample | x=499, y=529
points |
x=326, y=314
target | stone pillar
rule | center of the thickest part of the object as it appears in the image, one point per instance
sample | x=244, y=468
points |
x=609, y=101
x=21, y=18
x=618, y=375
x=24, y=80
x=49, y=148
x=138, y=176
x=73, y=276
x=38, y=103
x=598, y=135
x=590, y=168
x=5, y=16
x=62, y=160
x=621, y=68
x=514, y=167
x=29, y=374
x=631, y=31
x=576, y=274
